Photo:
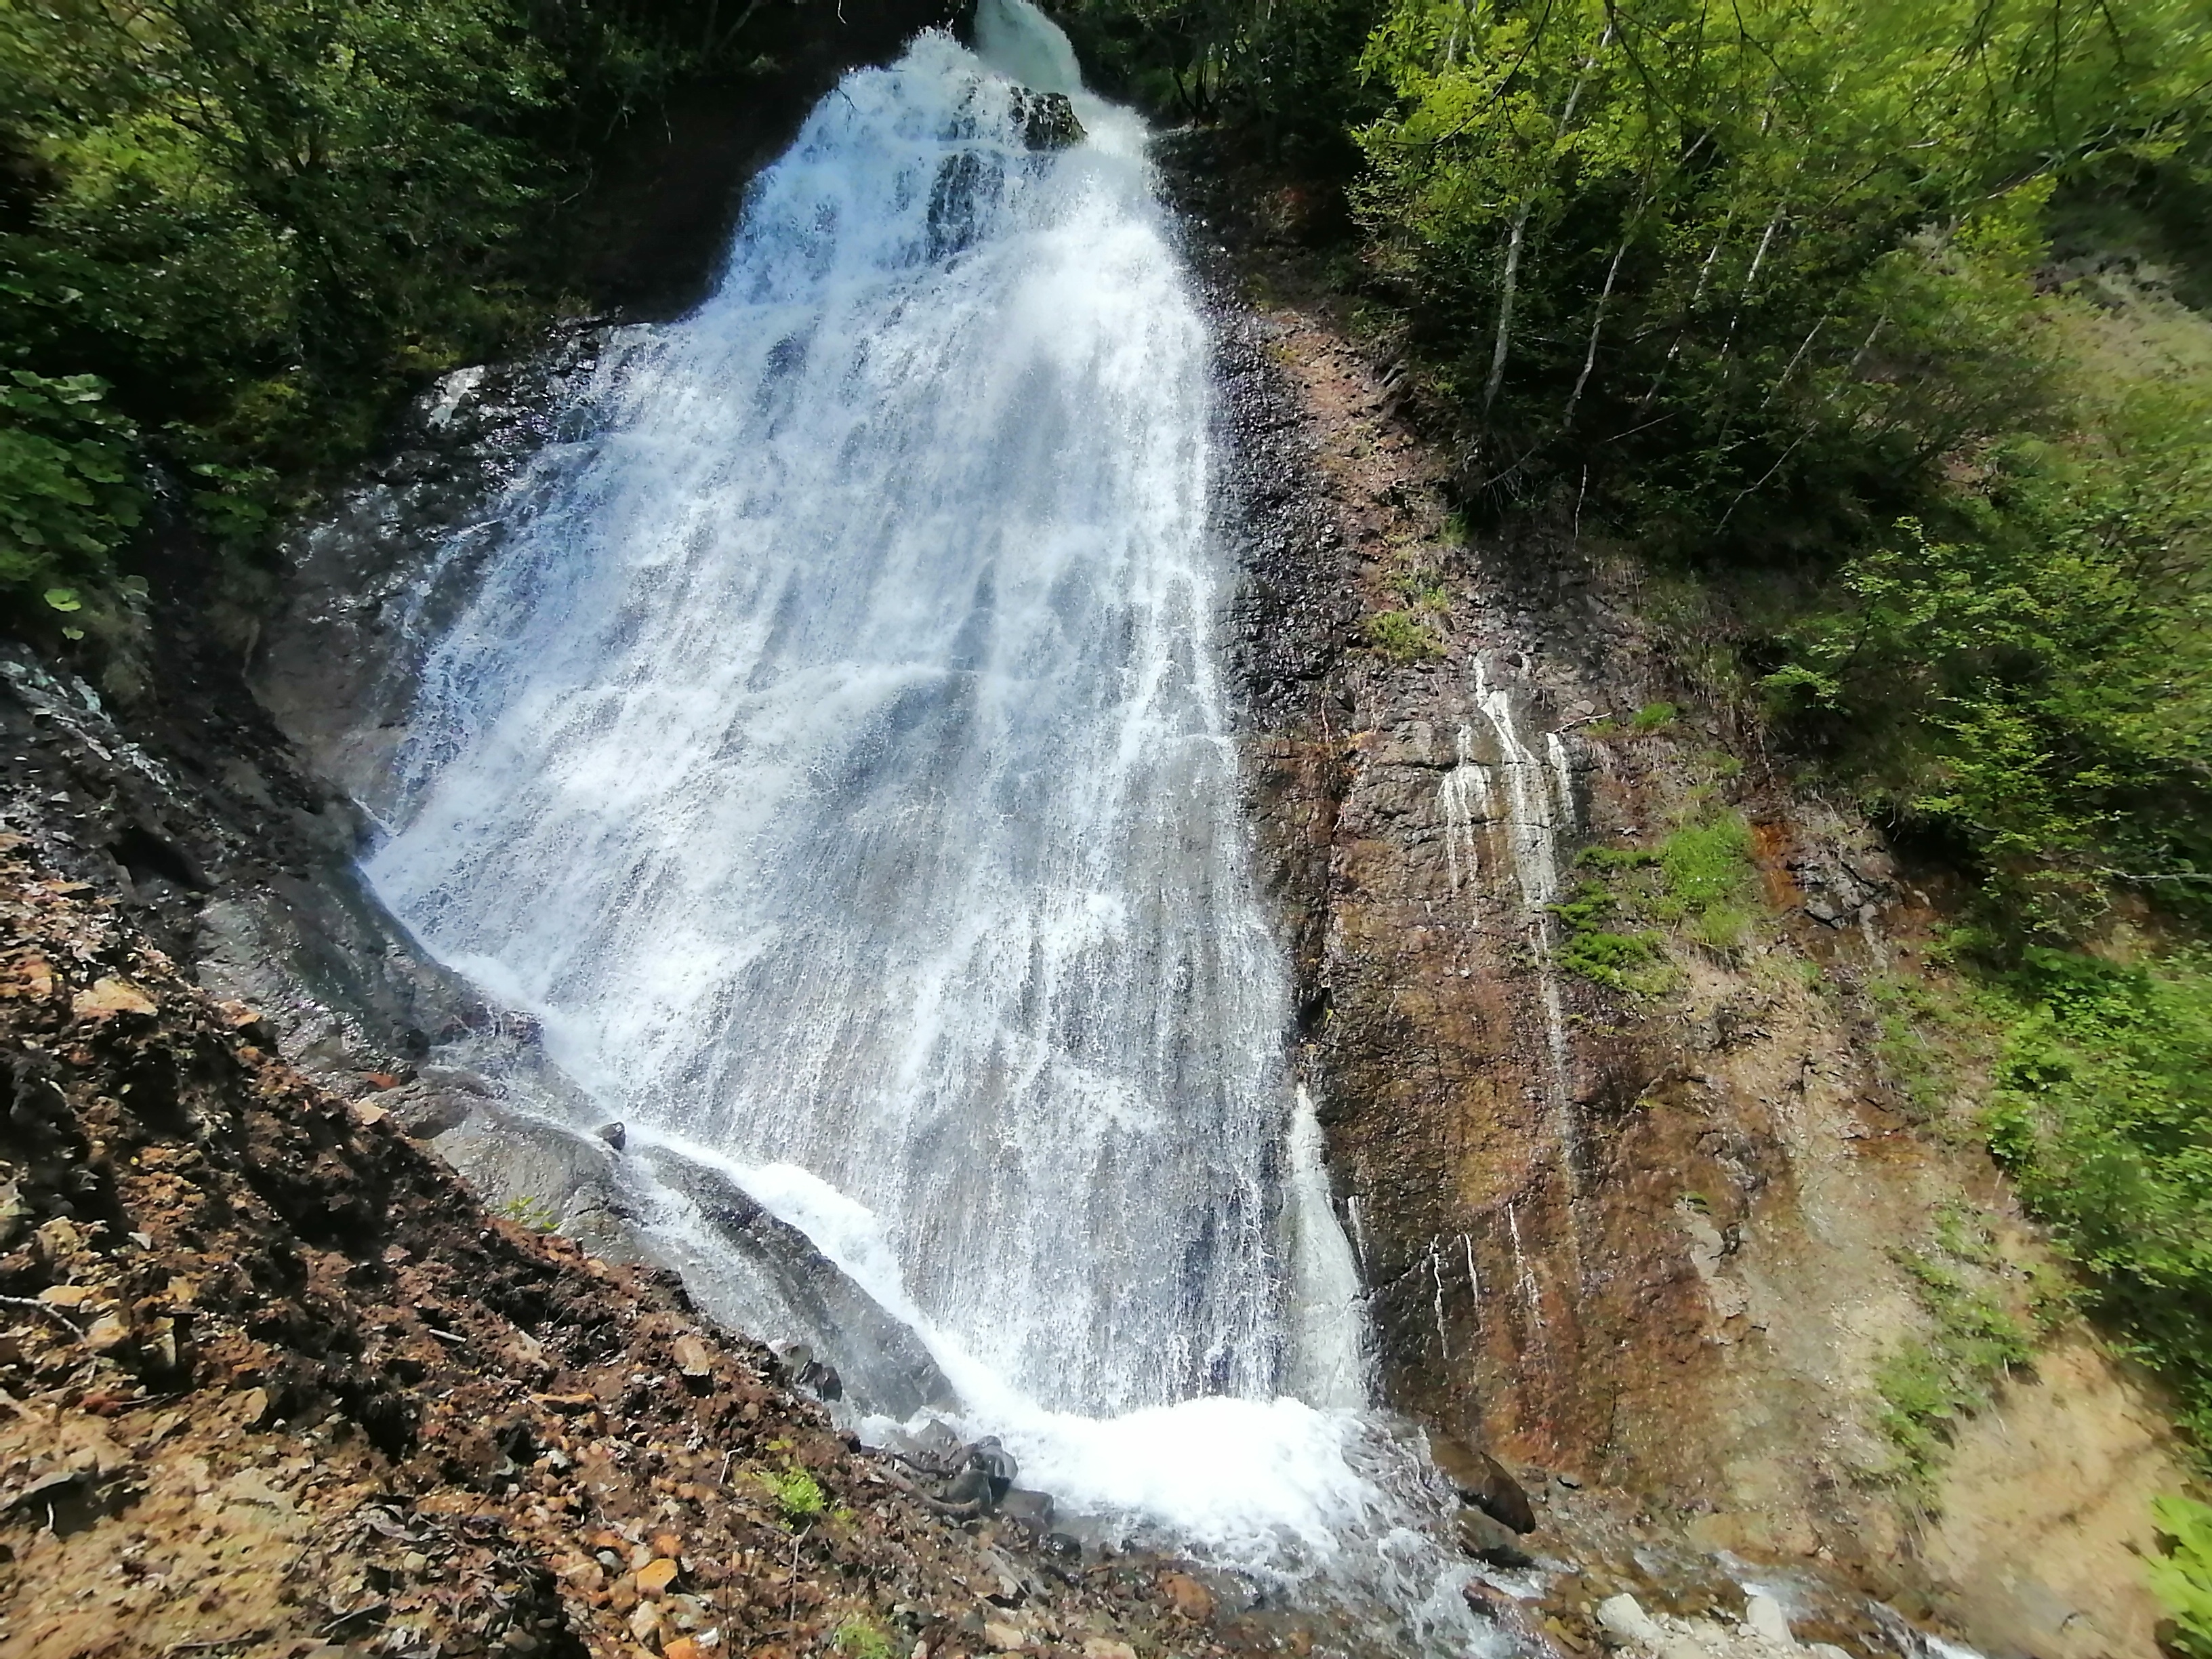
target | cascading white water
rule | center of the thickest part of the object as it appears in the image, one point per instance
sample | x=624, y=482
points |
x=834, y=757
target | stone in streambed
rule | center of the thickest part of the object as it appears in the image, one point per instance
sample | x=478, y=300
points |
x=1623, y=1617
x=1483, y=1481
x=1188, y=1597
x=1490, y=1540
x=1764, y=1616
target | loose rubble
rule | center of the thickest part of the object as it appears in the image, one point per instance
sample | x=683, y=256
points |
x=276, y=1385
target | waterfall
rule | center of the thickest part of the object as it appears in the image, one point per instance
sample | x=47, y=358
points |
x=834, y=757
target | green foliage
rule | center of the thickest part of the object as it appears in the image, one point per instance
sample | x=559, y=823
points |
x=1653, y=717
x=863, y=1638
x=2037, y=682
x=1402, y=637
x=1770, y=257
x=67, y=495
x=1282, y=72
x=532, y=1212
x=1930, y=1384
x=2183, y=1575
x=237, y=230
x=796, y=1495
x=1708, y=881
x=2103, y=1109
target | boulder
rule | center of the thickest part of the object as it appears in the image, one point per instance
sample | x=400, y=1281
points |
x=1490, y=1540
x=1047, y=119
x=1623, y=1618
x=1482, y=1480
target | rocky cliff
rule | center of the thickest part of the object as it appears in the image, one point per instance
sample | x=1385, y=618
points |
x=1649, y=1185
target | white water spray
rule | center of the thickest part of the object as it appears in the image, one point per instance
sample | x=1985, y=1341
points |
x=834, y=757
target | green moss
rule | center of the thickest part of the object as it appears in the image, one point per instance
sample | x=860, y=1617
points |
x=796, y=1495
x=1402, y=637
x=1630, y=961
x=1931, y=1384
x=1654, y=717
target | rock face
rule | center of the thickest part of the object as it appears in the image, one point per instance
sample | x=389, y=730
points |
x=1643, y=1241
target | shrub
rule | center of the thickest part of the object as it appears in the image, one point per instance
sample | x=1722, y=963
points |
x=2103, y=1110
x=2183, y=1575
x=1402, y=637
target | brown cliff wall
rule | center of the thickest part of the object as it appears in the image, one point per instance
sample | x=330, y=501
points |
x=1650, y=1242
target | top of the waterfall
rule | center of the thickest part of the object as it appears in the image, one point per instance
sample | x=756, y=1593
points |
x=1019, y=42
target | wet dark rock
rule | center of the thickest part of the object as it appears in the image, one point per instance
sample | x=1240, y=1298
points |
x=997, y=1464
x=614, y=1134
x=1047, y=119
x=1031, y=1510
x=1491, y=1541
x=1483, y=1481
x=764, y=1275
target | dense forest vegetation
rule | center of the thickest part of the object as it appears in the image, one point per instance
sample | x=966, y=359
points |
x=1872, y=329
x=233, y=231
x=1877, y=326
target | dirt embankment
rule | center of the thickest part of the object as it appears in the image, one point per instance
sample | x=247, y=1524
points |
x=1657, y=1240
x=276, y=1385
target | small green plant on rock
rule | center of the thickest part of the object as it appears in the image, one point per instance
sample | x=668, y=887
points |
x=532, y=1212
x=1931, y=1385
x=1654, y=717
x=797, y=1494
x=863, y=1638
x=1402, y=638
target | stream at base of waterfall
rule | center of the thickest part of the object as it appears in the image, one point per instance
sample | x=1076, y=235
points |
x=834, y=758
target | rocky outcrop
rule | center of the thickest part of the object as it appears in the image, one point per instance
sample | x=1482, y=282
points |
x=279, y=1386
x=1047, y=119
x=1643, y=1241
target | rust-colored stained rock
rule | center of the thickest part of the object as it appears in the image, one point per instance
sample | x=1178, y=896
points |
x=654, y=1578
x=1188, y=1597
x=110, y=997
